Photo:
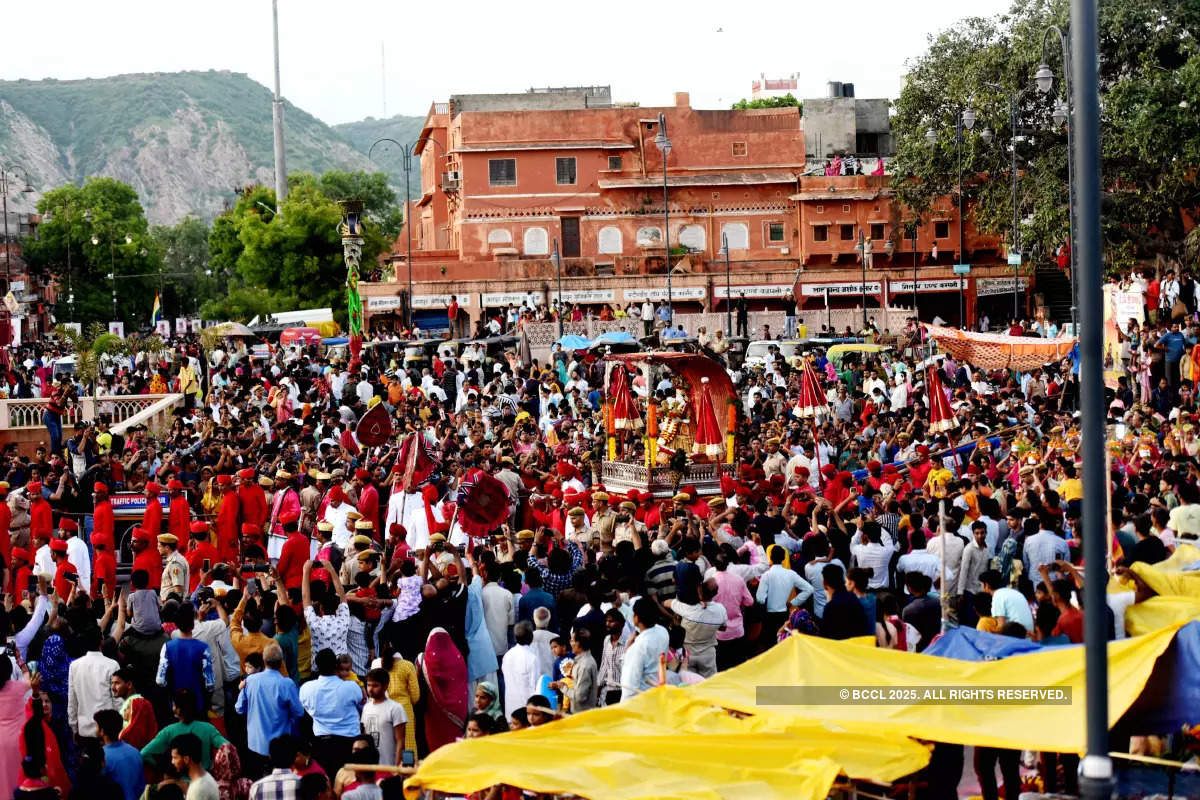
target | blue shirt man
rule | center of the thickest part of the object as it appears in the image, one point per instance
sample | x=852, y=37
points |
x=270, y=702
x=535, y=598
x=122, y=761
x=333, y=704
x=1176, y=343
x=186, y=663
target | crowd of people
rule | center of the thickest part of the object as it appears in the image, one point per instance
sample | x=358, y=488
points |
x=297, y=601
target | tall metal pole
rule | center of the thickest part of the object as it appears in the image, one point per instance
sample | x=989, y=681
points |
x=1016, y=229
x=408, y=307
x=962, y=251
x=277, y=118
x=916, y=311
x=1069, y=102
x=862, y=287
x=728, y=289
x=7, y=257
x=667, y=240
x=1096, y=768
x=558, y=270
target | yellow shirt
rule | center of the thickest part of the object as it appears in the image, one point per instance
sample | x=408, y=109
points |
x=987, y=625
x=938, y=480
x=1071, y=489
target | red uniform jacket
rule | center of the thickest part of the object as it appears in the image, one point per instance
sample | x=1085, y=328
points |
x=5, y=541
x=151, y=561
x=180, y=520
x=195, y=560
x=253, y=502
x=227, y=528
x=104, y=568
x=152, y=518
x=368, y=504
x=291, y=560
x=20, y=580
x=554, y=519
x=102, y=520
x=41, y=519
x=61, y=584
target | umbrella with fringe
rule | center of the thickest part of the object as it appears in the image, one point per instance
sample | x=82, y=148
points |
x=812, y=403
x=625, y=413
x=707, y=439
x=483, y=504
x=941, y=416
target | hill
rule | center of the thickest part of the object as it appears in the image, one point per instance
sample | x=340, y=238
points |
x=364, y=133
x=183, y=140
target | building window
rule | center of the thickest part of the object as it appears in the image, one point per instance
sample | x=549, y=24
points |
x=739, y=149
x=876, y=230
x=846, y=208
x=775, y=233
x=564, y=169
x=502, y=172
x=847, y=233
x=499, y=236
x=820, y=209
x=649, y=236
x=536, y=242
x=608, y=240
x=614, y=163
x=737, y=234
x=941, y=230
x=820, y=233
x=692, y=236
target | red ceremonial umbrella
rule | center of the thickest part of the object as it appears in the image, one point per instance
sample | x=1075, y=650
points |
x=482, y=504
x=812, y=403
x=941, y=416
x=625, y=413
x=707, y=439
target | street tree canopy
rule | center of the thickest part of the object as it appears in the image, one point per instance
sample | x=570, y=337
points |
x=103, y=226
x=1150, y=95
x=294, y=259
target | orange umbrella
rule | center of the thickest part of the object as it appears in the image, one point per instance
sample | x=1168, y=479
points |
x=941, y=416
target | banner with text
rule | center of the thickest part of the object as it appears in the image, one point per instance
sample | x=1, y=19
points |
x=986, y=287
x=659, y=295
x=840, y=289
x=770, y=290
x=935, y=285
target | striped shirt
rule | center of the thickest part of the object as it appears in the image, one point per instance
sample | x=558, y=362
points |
x=556, y=582
x=660, y=579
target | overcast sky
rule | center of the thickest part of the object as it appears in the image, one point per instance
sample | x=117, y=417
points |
x=330, y=51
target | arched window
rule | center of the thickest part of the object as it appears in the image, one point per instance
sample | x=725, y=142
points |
x=609, y=240
x=649, y=235
x=536, y=242
x=692, y=236
x=737, y=234
x=499, y=236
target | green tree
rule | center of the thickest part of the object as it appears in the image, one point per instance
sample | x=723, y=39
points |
x=1150, y=87
x=787, y=101
x=187, y=281
x=103, y=227
x=294, y=259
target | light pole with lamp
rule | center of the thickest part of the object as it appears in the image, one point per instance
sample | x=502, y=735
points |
x=558, y=271
x=862, y=287
x=1014, y=102
x=912, y=229
x=1044, y=79
x=963, y=121
x=68, y=217
x=7, y=176
x=407, y=151
x=112, y=262
x=728, y=289
x=663, y=143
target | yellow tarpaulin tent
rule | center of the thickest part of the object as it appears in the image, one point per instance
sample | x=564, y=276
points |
x=811, y=661
x=1167, y=578
x=666, y=744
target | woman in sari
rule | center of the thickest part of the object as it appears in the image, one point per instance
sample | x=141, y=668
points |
x=38, y=742
x=444, y=672
x=12, y=720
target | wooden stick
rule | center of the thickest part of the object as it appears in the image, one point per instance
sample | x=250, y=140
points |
x=390, y=769
x=1161, y=762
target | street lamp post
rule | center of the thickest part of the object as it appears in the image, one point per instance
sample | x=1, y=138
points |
x=963, y=121
x=728, y=288
x=664, y=145
x=112, y=261
x=7, y=176
x=862, y=287
x=913, y=231
x=1063, y=112
x=558, y=272
x=407, y=151
x=1014, y=104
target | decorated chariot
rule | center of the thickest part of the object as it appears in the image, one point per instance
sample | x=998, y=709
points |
x=670, y=418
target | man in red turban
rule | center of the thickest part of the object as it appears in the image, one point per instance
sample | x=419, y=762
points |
x=227, y=520
x=152, y=516
x=179, y=517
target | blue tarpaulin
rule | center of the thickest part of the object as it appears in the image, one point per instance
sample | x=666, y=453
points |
x=962, y=449
x=614, y=337
x=574, y=342
x=968, y=644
